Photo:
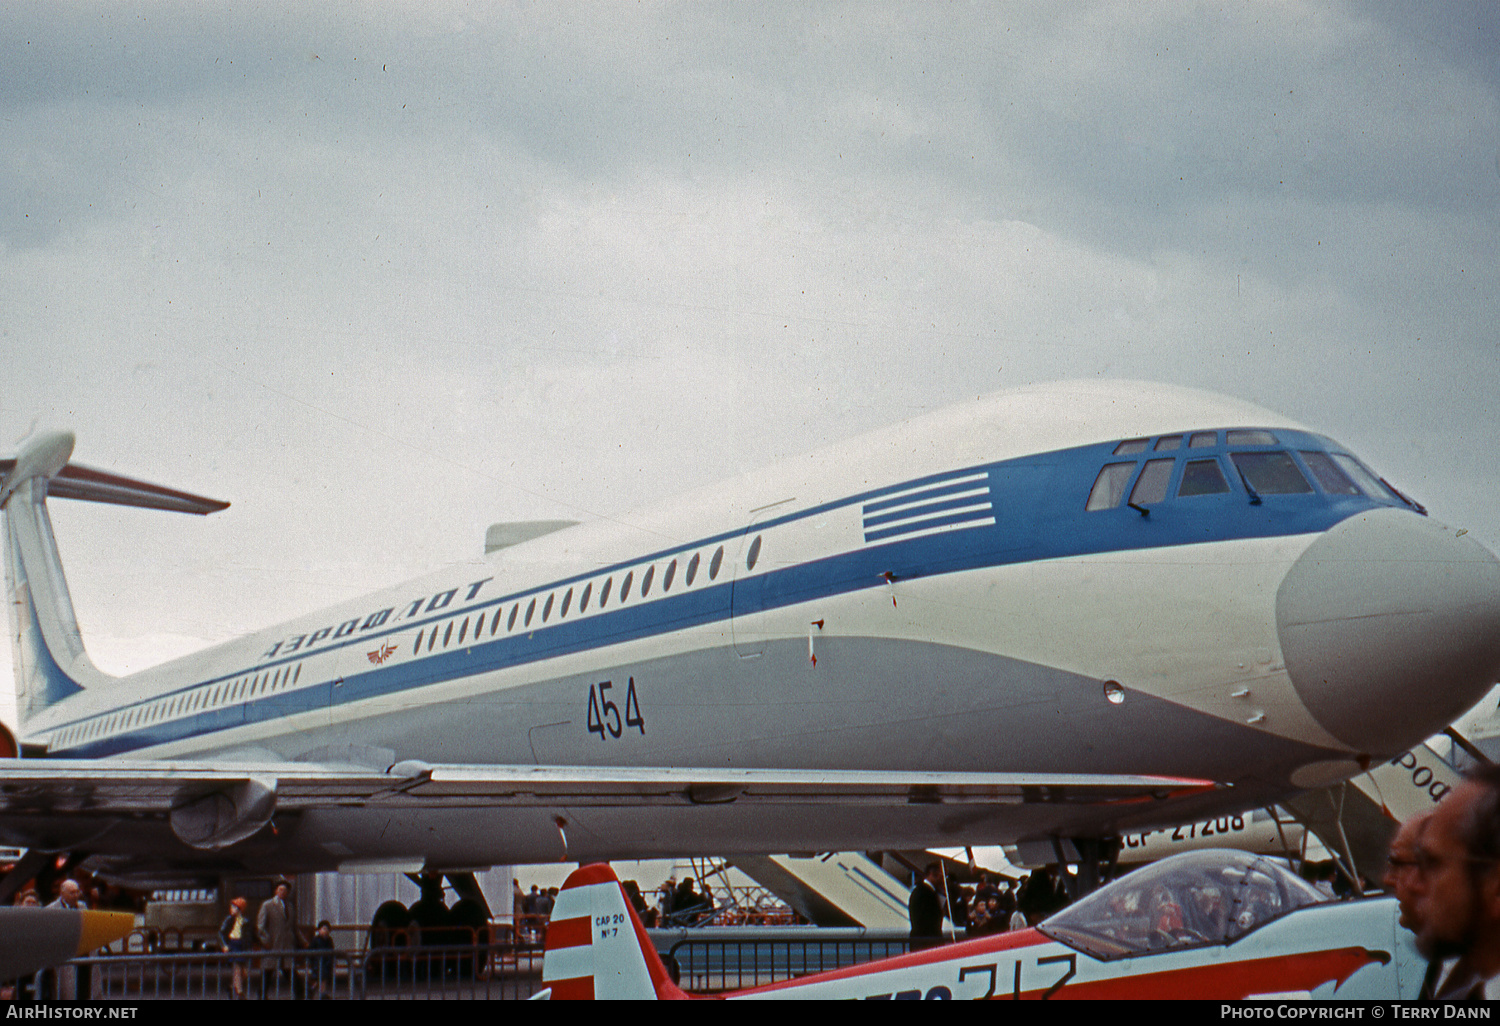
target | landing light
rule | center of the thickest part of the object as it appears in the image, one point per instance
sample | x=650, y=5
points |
x=1114, y=692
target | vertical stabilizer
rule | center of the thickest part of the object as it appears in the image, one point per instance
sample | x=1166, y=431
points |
x=597, y=948
x=50, y=661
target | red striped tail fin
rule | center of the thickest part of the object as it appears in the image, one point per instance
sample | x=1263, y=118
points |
x=597, y=949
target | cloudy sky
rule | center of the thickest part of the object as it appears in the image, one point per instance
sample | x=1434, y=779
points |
x=381, y=274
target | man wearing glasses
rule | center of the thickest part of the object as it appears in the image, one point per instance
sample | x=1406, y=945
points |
x=1456, y=893
x=1402, y=878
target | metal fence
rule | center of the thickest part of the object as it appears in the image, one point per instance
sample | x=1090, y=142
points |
x=710, y=960
x=453, y=972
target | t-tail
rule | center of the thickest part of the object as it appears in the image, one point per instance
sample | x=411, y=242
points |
x=597, y=948
x=50, y=661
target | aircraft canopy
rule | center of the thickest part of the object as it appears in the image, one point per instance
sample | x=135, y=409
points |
x=1189, y=900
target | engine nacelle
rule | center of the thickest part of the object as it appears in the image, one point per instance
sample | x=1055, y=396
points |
x=215, y=821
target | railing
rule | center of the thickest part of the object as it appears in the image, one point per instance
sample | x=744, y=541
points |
x=711, y=960
x=459, y=971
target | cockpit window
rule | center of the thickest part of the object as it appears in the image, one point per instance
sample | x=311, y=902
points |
x=1154, y=464
x=1109, y=486
x=1271, y=473
x=1187, y=901
x=1368, y=482
x=1203, y=477
x=1151, y=488
x=1330, y=478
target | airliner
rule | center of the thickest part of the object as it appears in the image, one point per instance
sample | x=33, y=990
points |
x=1067, y=612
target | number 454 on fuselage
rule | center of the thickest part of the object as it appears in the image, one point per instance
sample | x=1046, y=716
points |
x=1067, y=611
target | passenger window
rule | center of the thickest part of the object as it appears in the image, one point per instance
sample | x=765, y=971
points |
x=713, y=564
x=666, y=578
x=604, y=593
x=1203, y=440
x=530, y=609
x=646, y=581
x=583, y=603
x=1251, y=437
x=510, y=624
x=1202, y=477
x=1328, y=475
x=1166, y=443
x=1109, y=486
x=567, y=601
x=1151, y=488
x=1132, y=447
x=692, y=570
x=625, y=587
x=1271, y=473
x=754, y=555
x=547, y=609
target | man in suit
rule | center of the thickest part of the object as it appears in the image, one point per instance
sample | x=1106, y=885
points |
x=275, y=929
x=926, y=909
x=70, y=895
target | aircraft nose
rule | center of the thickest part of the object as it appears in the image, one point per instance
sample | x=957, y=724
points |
x=1390, y=628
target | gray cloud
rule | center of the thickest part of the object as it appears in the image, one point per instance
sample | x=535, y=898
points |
x=365, y=270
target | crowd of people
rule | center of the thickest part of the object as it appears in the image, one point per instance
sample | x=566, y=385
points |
x=80, y=890
x=275, y=929
x=995, y=904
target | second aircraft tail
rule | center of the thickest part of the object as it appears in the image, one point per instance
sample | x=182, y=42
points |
x=597, y=948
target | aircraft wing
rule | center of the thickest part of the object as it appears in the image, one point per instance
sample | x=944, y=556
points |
x=123, y=787
x=83, y=805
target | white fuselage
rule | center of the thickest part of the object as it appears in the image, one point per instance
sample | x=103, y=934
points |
x=933, y=596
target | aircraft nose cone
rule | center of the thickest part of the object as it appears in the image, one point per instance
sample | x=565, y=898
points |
x=1390, y=628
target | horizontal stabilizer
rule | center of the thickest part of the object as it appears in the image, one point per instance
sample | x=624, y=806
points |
x=78, y=482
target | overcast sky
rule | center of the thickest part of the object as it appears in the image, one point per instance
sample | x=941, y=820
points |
x=383, y=274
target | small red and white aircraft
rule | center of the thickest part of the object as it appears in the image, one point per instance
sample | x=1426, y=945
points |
x=1220, y=925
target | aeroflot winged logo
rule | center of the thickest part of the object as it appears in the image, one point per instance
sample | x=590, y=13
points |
x=381, y=654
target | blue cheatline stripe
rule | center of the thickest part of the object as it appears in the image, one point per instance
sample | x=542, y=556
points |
x=974, y=477
x=977, y=501
x=1050, y=488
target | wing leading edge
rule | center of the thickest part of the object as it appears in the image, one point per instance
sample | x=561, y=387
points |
x=122, y=787
x=213, y=807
